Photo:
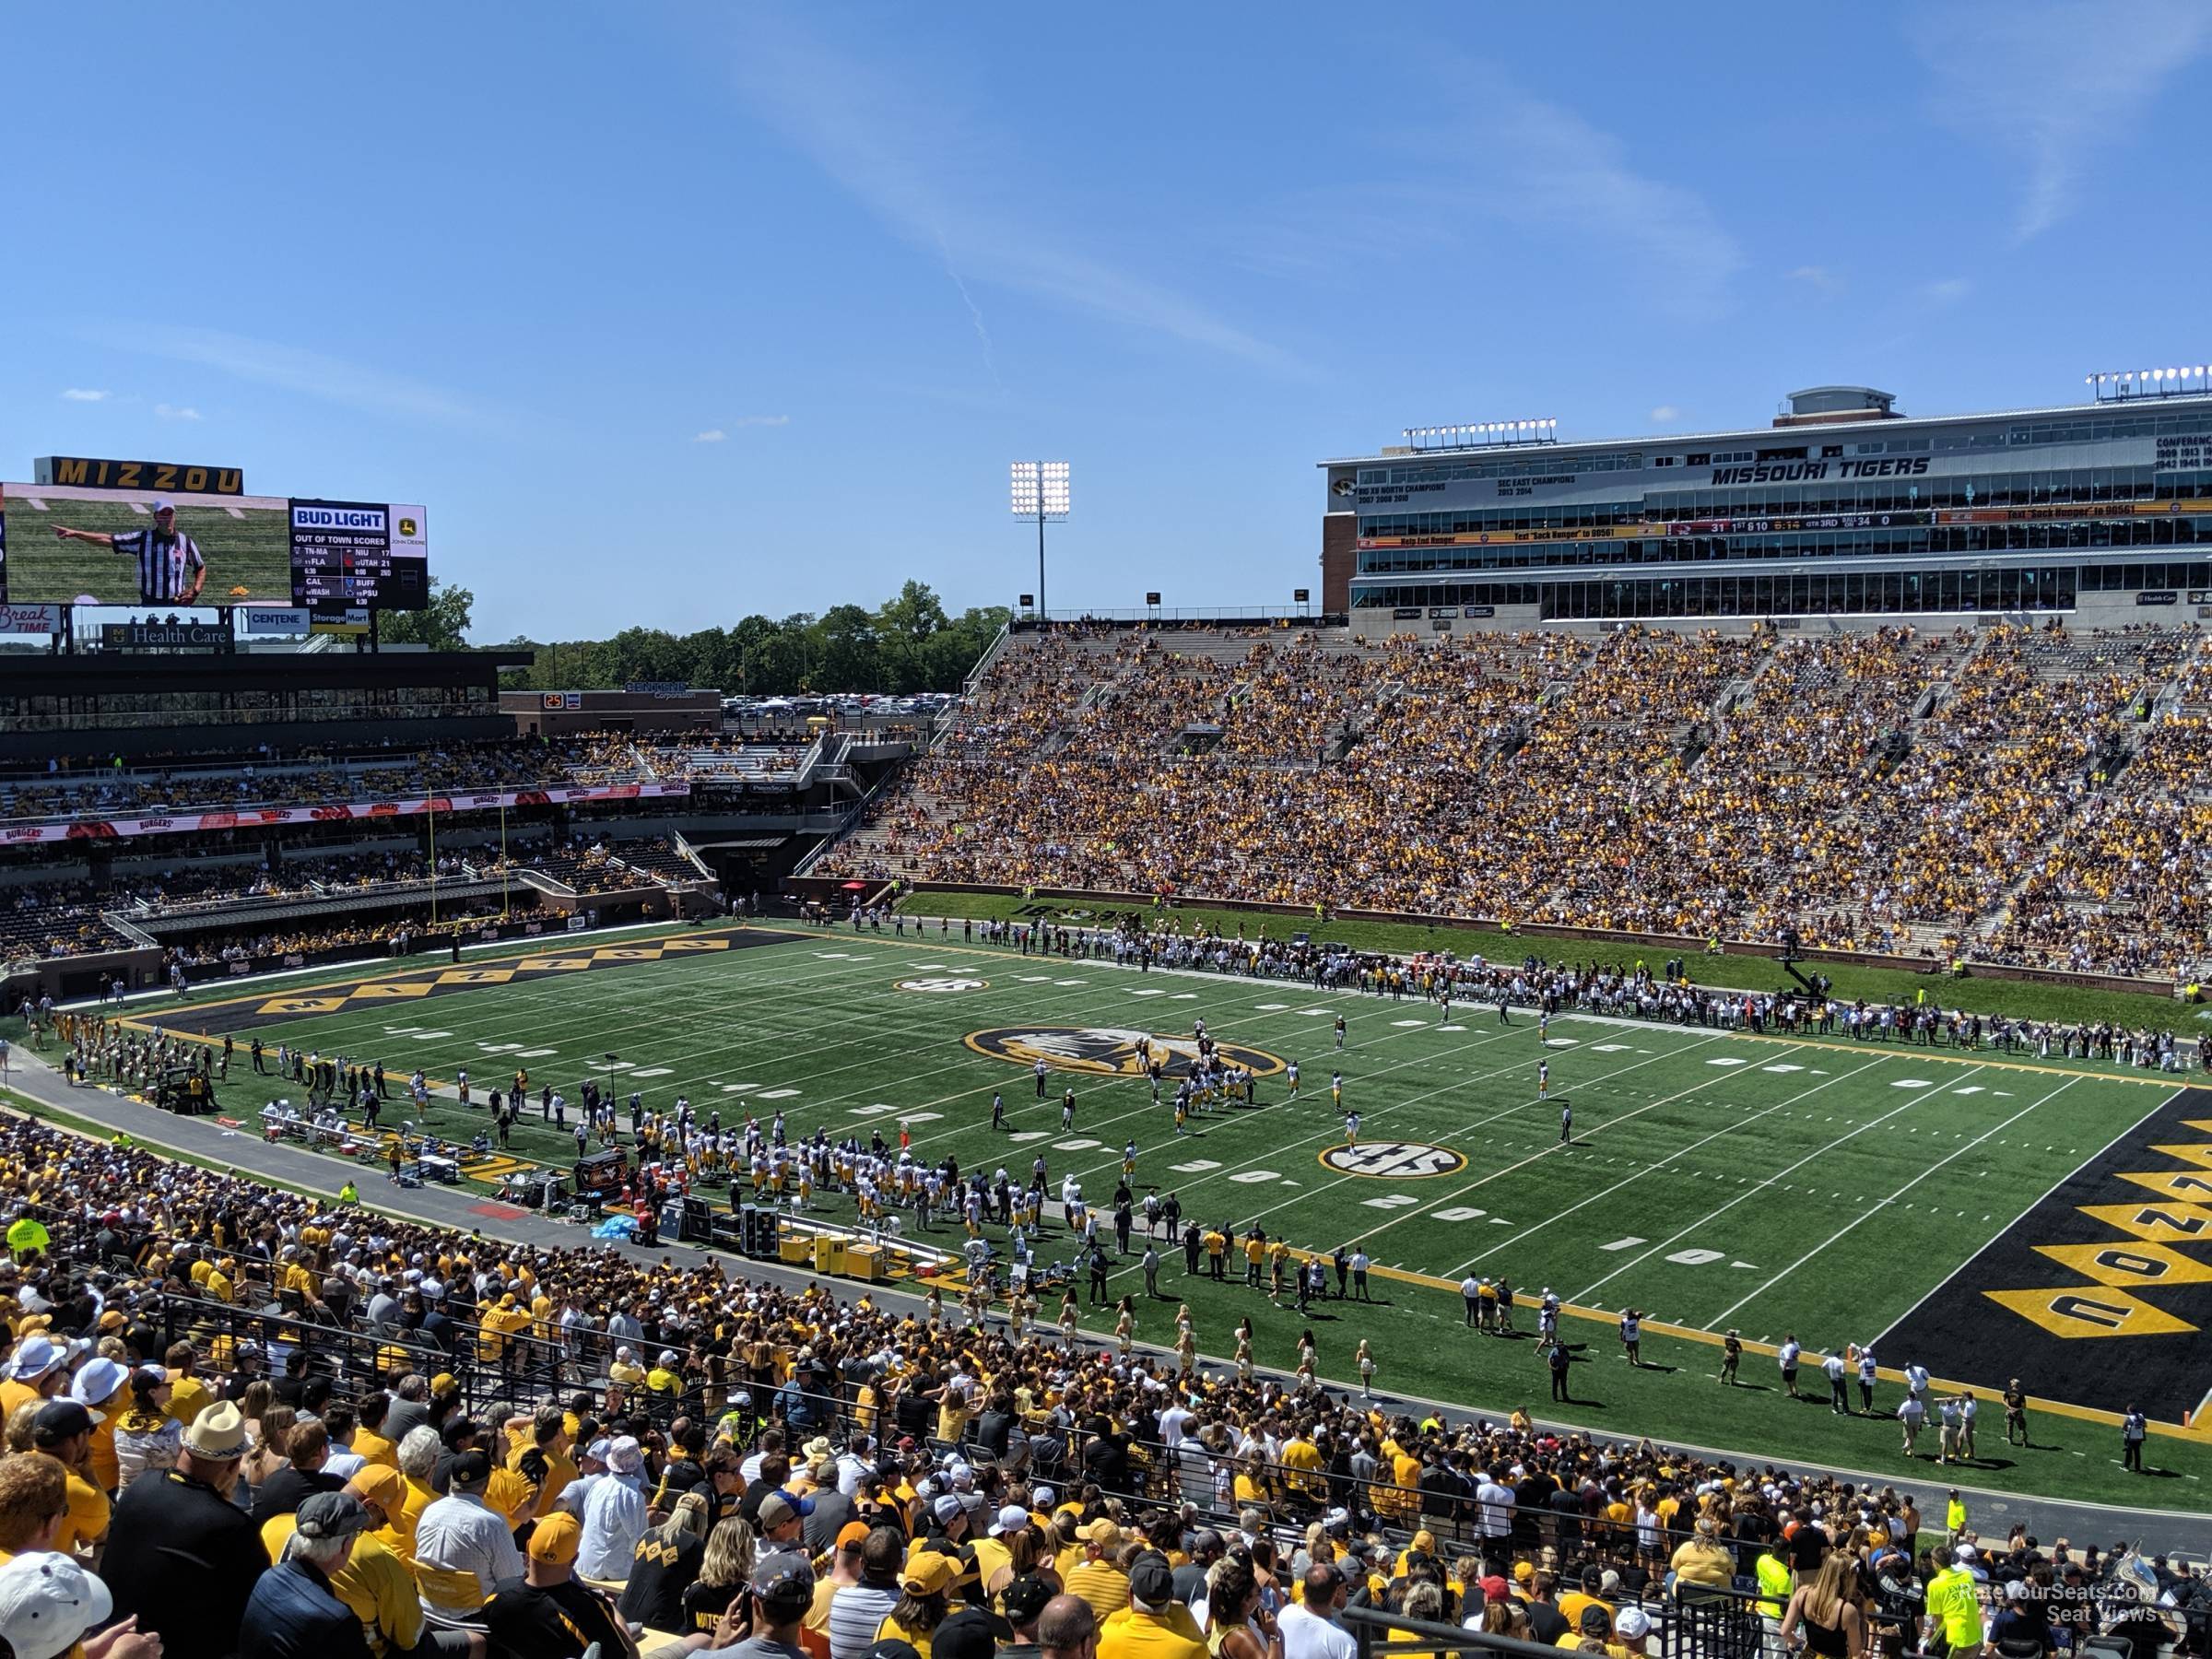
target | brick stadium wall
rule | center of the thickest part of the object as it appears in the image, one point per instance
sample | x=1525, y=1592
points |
x=1339, y=554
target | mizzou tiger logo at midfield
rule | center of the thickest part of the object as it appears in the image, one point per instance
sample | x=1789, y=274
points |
x=1108, y=1050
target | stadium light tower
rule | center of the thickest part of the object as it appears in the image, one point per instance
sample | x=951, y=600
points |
x=1040, y=491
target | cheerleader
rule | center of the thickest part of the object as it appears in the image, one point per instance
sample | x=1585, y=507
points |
x=1365, y=1360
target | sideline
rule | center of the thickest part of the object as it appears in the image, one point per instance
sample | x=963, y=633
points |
x=2178, y=1532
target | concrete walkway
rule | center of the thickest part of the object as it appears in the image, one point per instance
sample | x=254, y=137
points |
x=2182, y=1531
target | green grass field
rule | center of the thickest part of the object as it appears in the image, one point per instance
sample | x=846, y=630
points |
x=1713, y=1179
x=248, y=548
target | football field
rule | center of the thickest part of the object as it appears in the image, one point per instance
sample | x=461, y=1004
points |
x=1838, y=1192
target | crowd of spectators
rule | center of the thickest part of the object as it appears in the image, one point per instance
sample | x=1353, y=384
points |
x=522, y=1450
x=76, y=787
x=2015, y=794
x=63, y=916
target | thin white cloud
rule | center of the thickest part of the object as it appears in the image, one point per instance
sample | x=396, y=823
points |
x=308, y=373
x=83, y=395
x=1819, y=278
x=1949, y=291
x=896, y=142
x=718, y=435
x=1523, y=162
x=2051, y=84
x=176, y=412
x=1665, y=414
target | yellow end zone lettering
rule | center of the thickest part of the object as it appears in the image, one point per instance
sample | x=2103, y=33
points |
x=2185, y=1184
x=2097, y=1313
x=302, y=1004
x=2169, y=1220
x=2140, y=1264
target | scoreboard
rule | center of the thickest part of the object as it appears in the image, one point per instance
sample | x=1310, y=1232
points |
x=369, y=555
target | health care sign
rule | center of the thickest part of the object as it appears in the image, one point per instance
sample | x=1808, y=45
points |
x=184, y=822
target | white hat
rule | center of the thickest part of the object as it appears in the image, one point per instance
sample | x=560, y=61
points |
x=98, y=1381
x=1632, y=1623
x=37, y=1356
x=1011, y=1519
x=625, y=1456
x=47, y=1602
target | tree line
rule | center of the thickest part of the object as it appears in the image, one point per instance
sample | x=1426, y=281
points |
x=907, y=644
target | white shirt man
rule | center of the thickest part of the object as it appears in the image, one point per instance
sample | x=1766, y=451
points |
x=1309, y=1628
x=1497, y=1504
x=614, y=1514
x=458, y=1538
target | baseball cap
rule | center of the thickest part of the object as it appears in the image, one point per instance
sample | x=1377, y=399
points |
x=1101, y=1532
x=59, y=1420
x=380, y=1485
x=890, y=1647
x=162, y=504
x=930, y=1573
x=557, y=1538
x=947, y=1510
x=783, y=1573
x=1151, y=1580
x=1495, y=1589
x=1024, y=1599
x=47, y=1602
x=1964, y=1552
x=972, y=1633
x=777, y=1510
x=331, y=1516
x=1012, y=1518
x=1633, y=1622
x=1596, y=1621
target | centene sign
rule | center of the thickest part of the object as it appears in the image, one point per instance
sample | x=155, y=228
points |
x=31, y=618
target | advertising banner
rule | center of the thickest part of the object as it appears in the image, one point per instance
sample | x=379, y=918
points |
x=31, y=618
x=251, y=818
x=292, y=620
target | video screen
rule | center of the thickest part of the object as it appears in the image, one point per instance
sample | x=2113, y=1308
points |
x=65, y=544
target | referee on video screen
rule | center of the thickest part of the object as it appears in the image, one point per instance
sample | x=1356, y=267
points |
x=171, y=570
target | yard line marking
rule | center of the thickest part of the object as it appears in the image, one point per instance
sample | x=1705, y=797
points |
x=1749, y=1192
x=1494, y=1117
x=1721, y=1317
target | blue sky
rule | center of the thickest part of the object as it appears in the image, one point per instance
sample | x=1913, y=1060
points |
x=674, y=313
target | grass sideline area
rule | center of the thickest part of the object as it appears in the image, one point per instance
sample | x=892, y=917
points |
x=2019, y=999
x=818, y=1024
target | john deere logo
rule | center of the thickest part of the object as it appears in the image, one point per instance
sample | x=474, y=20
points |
x=1108, y=1050
x=1392, y=1160
x=407, y=527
